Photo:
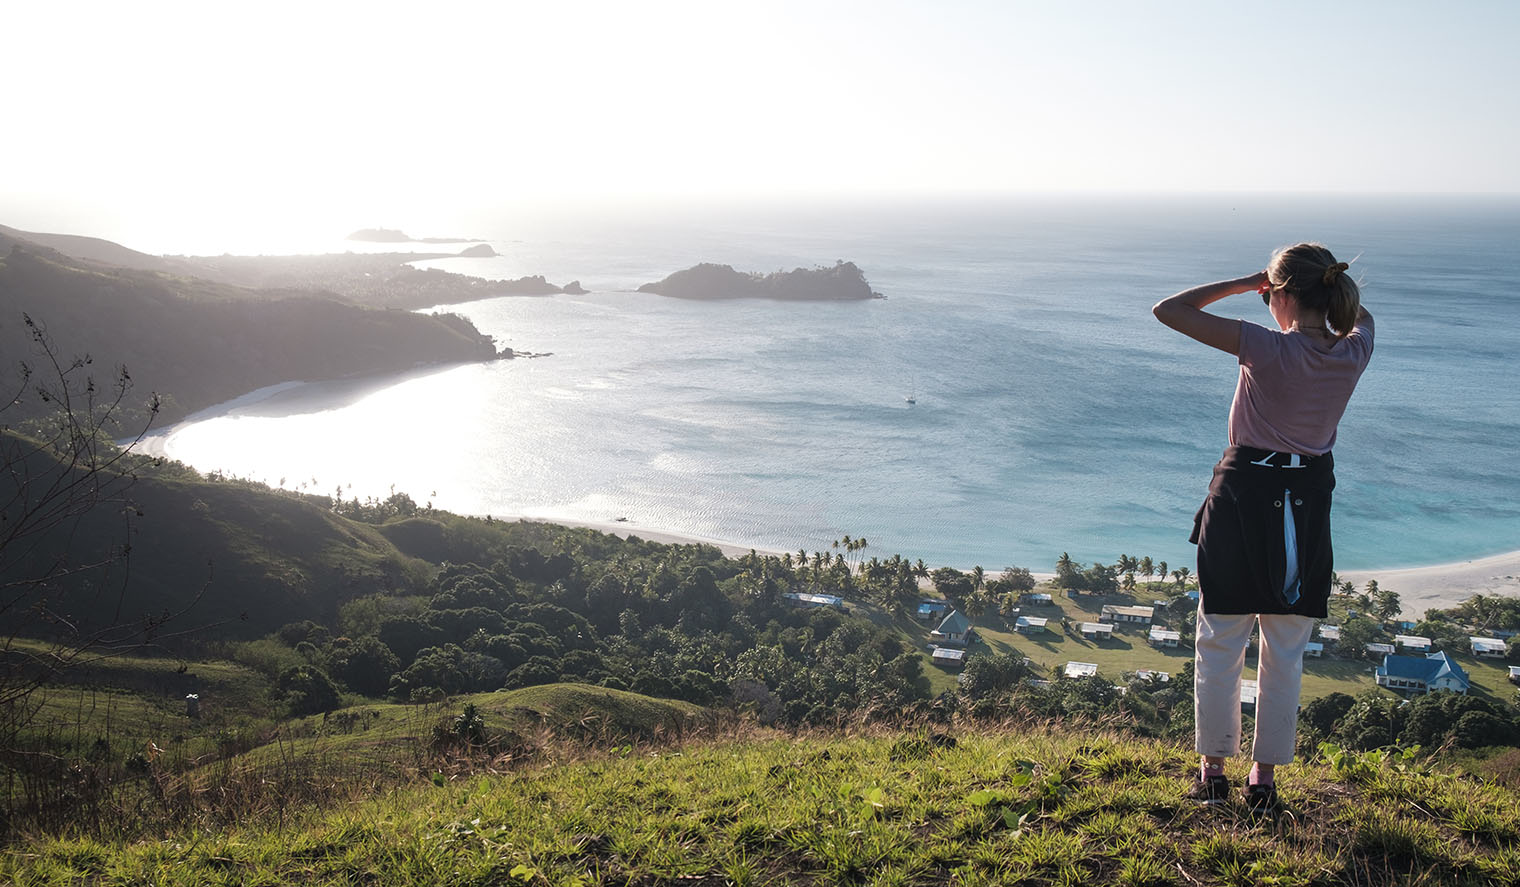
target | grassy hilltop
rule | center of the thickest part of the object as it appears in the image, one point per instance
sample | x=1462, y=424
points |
x=1032, y=806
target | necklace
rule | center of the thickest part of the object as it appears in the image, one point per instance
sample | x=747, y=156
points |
x=1309, y=331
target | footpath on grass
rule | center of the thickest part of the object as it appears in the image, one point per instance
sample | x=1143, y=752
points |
x=1044, y=806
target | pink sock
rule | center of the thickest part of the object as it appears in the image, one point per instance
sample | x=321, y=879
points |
x=1258, y=778
x=1210, y=770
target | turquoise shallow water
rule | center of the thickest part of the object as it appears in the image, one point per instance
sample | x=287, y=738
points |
x=1053, y=413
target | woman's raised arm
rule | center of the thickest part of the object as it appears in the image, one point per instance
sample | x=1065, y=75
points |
x=1184, y=311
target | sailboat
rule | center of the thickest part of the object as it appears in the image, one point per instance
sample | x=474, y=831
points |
x=912, y=397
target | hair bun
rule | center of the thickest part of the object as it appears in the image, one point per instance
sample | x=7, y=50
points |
x=1334, y=271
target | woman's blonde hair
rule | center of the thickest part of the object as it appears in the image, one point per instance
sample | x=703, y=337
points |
x=1309, y=273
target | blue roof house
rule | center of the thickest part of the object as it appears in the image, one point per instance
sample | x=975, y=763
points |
x=1422, y=674
x=928, y=610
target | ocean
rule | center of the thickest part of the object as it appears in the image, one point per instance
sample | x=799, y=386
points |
x=1053, y=413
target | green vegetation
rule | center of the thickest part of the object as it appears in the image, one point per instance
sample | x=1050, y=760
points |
x=208, y=342
x=992, y=807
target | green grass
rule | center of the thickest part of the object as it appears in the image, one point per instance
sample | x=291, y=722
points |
x=389, y=734
x=1037, y=807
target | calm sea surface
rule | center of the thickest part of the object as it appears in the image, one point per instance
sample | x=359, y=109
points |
x=1053, y=413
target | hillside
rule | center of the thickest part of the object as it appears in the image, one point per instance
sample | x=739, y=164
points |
x=88, y=249
x=1069, y=805
x=198, y=343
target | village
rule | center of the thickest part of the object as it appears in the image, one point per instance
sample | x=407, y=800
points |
x=1069, y=634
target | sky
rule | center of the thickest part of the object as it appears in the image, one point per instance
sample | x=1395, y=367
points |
x=132, y=120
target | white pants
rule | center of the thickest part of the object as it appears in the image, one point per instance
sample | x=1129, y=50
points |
x=1220, y=656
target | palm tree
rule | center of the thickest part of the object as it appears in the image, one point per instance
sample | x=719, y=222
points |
x=1183, y=573
x=1129, y=582
x=1147, y=567
x=978, y=578
x=1161, y=568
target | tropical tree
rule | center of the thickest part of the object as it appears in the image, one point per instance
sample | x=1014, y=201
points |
x=1012, y=581
x=1068, y=572
x=1147, y=567
x=1161, y=570
x=1387, y=605
x=1182, y=574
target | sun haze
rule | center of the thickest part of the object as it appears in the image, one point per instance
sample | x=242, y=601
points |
x=126, y=117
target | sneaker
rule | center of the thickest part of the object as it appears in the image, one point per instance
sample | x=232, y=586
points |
x=1211, y=792
x=1261, y=798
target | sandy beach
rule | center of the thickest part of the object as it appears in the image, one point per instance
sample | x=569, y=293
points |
x=1445, y=585
x=1419, y=588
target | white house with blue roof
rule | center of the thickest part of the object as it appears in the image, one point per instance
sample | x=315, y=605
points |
x=1422, y=674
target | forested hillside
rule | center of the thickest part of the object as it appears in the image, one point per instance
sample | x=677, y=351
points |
x=197, y=343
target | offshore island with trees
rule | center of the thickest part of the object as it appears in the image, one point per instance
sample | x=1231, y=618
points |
x=205, y=679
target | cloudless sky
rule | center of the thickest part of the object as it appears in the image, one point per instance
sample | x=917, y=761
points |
x=343, y=114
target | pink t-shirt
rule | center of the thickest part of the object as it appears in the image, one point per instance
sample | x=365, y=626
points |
x=1293, y=388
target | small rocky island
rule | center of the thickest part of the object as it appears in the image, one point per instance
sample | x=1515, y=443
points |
x=844, y=281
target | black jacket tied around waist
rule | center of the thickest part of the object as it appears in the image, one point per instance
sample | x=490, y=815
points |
x=1242, y=562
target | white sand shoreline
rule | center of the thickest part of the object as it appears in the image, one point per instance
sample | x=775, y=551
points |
x=1419, y=588
x=1445, y=585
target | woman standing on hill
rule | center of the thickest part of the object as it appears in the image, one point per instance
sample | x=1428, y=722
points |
x=1263, y=533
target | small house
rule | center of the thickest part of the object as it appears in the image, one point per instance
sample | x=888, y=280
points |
x=1037, y=599
x=929, y=611
x=1192, y=595
x=948, y=657
x=1163, y=637
x=802, y=599
x=1135, y=615
x=1377, y=649
x=1096, y=631
x=1030, y=624
x=1490, y=648
x=1404, y=625
x=1422, y=674
x=955, y=630
x=1248, y=690
x=1412, y=643
x=1329, y=633
x=1081, y=669
x=1514, y=674
x=1314, y=649
x=1149, y=674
